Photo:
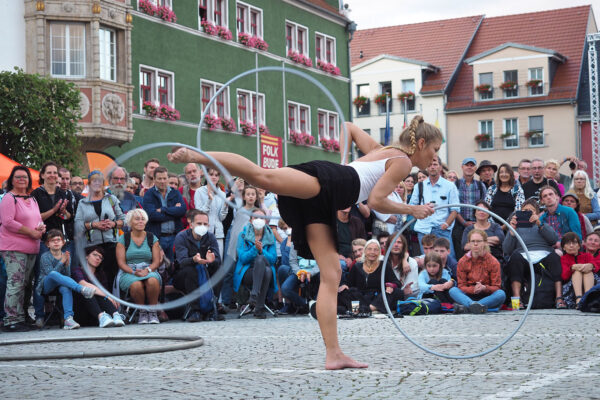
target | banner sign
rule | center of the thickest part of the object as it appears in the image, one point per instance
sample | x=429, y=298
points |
x=270, y=150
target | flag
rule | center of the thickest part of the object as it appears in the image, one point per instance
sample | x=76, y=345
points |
x=386, y=139
x=405, y=121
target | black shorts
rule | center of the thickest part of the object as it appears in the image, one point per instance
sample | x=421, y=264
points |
x=340, y=187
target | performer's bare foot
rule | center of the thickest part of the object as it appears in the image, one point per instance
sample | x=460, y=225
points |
x=340, y=361
x=180, y=155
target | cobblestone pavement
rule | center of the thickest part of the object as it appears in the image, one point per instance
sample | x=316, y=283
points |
x=555, y=355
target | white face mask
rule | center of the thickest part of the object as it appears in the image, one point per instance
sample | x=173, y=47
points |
x=288, y=231
x=201, y=230
x=258, y=223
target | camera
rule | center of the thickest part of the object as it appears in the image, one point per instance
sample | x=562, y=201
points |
x=572, y=165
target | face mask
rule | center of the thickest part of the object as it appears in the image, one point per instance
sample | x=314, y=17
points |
x=258, y=224
x=288, y=231
x=201, y=230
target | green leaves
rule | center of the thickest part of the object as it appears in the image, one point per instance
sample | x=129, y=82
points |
x=38, y=120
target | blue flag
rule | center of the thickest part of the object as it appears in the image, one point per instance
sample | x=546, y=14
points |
x=387, y=135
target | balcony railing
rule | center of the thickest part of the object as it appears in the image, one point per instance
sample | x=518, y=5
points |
x=521, y=90
x=524, y=141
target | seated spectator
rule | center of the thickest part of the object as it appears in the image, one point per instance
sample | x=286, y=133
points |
x=495, y=235
x=539, y=238
x=582, y=187
x=358, y=247
x=441, y=246
x=427, y=244
x=194, y=248
x=255, y=266
x=561, y=218
x=404, y=267
x=363, y=283
x=571, y=200
x=55, y=273
x=434, y=280
x=551, y=173
x=138, y=257
x=506, y=195
x=592, y=245
x=577, y=266
x=100, y=309
x=478, y=273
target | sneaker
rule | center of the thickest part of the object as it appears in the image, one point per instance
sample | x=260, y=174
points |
x=105, y=321
x=221, y=309
x=194, y=316
x=477, y=308
x=286, y=309
x=88, y=292
x=260, y=314
x=312, y=309
x=18, y=327
x=117, y=319
x=143, y=318
x=70, y=324
x=153, y=318
x=39, y=323
x=459, y=309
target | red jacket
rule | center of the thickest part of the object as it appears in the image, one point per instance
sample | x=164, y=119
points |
x=568, y=260
x=484, y=269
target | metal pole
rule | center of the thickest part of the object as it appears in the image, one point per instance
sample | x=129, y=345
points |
x=285, y=121
x=594, y=106
x=256, y=113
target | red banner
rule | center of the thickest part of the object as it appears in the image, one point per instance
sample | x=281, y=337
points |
x=270, y=151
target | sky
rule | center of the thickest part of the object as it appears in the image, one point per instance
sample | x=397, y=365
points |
x=378, y=13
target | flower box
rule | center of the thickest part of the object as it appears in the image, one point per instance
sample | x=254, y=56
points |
x=150, y=109
x=302, y=138
x=247, y=128
x=508, y=135
x=163, y=111
x=263, y=129
x=224, y=33
x=147, y=7
x=330, y=144
x=483, y=88
x=327, y=67
x=483, y=137
x=252, y=41
x=508, y=85
x=381, y=98
x=534, y=83
x=300, y=58
x=533, y=134
x=406, y=95
x=166, y=14
x=227, y=124
x=360, y=101
x=209, y=27
x=212, y=122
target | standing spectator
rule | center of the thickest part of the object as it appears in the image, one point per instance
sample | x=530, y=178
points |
x=572, y=200
x=117, y=179
x=577, y=266
x=173, y=181
x=137, y=180
x=524, y=170
x=561, y=218
x=213, y=204
x=506, y=196
x=422, y=175
x=164, y=207
x=193, y=177
x=574, y=165
x=389, y=221
x=98, y=219
x=551, y=173
x=495, y=235
x=21, y=229
x=438, y=190
x=469, y=191
x=588, y=201
x=349, y=228
x=486, y=171
x=77, y=185
x=452, y=176
x=148, y=181
x=532, y=187
x=478, y=283
x=409, y=182
x=65, y=185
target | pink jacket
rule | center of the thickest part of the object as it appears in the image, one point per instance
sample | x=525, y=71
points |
x=13, y=215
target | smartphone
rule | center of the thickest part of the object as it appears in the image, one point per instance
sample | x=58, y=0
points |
x=523, y=219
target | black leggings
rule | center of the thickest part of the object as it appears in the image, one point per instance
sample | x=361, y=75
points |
x=258, y=277
x=87, y=310
x=518, y=267
x=186, y=280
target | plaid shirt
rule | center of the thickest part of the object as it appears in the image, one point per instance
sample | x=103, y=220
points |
x=554, y=223
x=469, y=194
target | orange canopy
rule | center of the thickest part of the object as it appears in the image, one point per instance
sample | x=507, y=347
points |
x=6, y=166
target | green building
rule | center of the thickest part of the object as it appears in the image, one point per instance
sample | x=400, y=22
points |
x=183, y=51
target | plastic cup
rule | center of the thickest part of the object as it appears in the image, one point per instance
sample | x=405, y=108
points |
x=516, y=303
x=355, y=305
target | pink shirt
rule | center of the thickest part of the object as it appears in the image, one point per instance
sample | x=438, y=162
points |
x=14, y=215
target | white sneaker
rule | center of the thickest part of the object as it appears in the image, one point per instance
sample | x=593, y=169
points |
x=70, y=324
x=106, y=321
x=117, y=319
x=153, y=318
x=143, y=318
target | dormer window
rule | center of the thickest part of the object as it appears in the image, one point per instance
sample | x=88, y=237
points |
x=486, y=86
x=510, y=84
x=536, y=81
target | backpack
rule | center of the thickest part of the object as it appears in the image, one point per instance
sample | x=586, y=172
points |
x=205, y=301
x=127, y=240
x=419, y=307
x=544, y=296
x=590, y=302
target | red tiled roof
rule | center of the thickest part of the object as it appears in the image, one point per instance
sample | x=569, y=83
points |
x=323, y=4
x=563, y=30
x=440, y=43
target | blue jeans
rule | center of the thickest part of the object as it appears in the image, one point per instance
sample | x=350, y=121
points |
x=227, y=287
x=166, y=243
x=290, y=283
x=439, y=233
x=3, y=278
x=39, y=301
x=494, y=300
x=65, y=286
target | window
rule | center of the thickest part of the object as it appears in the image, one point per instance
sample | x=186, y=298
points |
x=159, y=3
x=249, y=109
x=107, y=54
x=510, y=134
x=382, y=135
x=486, y=78
x=296, y=38
x=538, y=75
x=67, y=50
x=214, y=11
x=249, y=20
x=364, y=90
x=408, y=85
x=511, y=76
x=220, y=106
x=328, y=125
x=385, y=87
x=536, y=130
x=325, y=48
x=486, y=128
x=298, y=117
x=157, y=86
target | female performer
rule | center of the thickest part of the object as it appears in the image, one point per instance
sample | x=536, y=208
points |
x=311, y=193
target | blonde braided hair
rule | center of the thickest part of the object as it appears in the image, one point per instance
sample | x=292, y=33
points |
x=416, y=130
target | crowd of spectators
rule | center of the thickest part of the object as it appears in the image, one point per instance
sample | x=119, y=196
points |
x=158, y=235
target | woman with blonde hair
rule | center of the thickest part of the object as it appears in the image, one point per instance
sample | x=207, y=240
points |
x=588, y=201
x=551, y=172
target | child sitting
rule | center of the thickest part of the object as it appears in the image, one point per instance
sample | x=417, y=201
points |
x=55, y=273
x=434, y=280
x=577, y=266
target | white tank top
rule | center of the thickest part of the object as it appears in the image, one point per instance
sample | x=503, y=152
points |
x=369, y=173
